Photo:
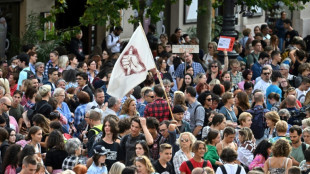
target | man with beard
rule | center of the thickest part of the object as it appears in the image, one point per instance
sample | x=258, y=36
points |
x=298, y=147
x=98, y=102
x=113, y=40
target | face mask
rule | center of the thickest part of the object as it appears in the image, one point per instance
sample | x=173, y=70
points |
x=13, y=66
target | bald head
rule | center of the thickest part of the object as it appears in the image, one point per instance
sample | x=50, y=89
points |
x=290, y=101
x=5, y=100
x=258, y=97
x=5, y=103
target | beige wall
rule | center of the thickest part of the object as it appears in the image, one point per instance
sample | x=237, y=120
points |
x=35, y=6
x=301, y=21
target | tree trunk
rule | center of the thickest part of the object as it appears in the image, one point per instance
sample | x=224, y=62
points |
x=204, y=23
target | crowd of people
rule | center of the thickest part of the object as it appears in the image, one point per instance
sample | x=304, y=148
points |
x=230, y=116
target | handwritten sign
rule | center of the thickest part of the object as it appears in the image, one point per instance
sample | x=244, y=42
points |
x=185, y=48
x=226, y=43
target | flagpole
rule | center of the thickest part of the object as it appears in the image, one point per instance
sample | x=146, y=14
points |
x=159, y=78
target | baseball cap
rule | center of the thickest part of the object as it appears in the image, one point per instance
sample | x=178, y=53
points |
x=100, y=150
x=177, y=109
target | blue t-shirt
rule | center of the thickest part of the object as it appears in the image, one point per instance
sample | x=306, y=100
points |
x=230, y=115
x=270, y=89
x=93, y=169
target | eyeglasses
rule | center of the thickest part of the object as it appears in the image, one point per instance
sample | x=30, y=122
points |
x=78, y=78
x=213, y=66
x=152, y=96
x=184, y=140
x=209, y=99
x=7, y=105
x=266, y=74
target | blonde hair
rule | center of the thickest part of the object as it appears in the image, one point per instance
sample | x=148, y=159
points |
x=281, y=126
x=191, y=137
x=62, y=62
x=6, y=85
x=117, y=168
x=273, y=116
x=306, y=122
x=243, y=116
x=215, y=82
x=146, y=161
x=246, y=133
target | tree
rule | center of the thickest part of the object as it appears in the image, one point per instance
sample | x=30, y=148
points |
x=204, y=19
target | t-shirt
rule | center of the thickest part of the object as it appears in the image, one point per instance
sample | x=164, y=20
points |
x=298, y=154
x=161, y=170
x=55, y=158
x=114, y=150
x=270, y=89
x=16, y=112
x=301, y=95
x=230, y=169
x=289, y=35
x=185, y=168
x=128, y=147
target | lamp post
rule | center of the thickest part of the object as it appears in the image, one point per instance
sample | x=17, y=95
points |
x=228, y=28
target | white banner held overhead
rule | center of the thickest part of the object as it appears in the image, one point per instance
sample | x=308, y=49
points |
x=132, y=66
x=185, y=48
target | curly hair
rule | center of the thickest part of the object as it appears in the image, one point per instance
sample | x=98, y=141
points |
x=55, y=140
x=10, y=157
x=281, y=148
x=125, y=107
x=262, y=148
x=146, y=161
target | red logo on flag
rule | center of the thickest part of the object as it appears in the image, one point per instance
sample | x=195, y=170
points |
x=131, y=62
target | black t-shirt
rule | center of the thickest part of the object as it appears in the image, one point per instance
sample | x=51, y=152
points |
x=43, y=108
x=128, y=147
x=160, y=169
x=114, y=155
x=54, y=158
x=289, y=35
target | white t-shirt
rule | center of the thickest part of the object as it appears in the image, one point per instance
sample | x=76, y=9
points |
x=230, y=169
x=262, y=85
x=301, y=95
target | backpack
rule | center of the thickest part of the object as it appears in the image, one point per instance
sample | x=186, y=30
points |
x=191, y=167
x=225, y=172
x=30, y=74
x=104, y=42
x=258, y=121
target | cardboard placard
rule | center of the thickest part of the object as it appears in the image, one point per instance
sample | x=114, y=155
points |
x=226, y=43
x=185, y=48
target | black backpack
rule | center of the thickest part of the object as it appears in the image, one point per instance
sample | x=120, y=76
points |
x=225, y=172
x=30, y=74
x=258, y=121
x=104, y=42
x=191, y=167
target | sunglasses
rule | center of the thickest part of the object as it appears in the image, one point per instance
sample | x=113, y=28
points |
x=184, y=140
x=7, y=105
x=209, y=99
x=213, y=66
x=266, y=74
x=151, y=96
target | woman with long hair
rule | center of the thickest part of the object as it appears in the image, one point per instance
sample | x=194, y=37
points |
x=228, y=140
x=117, y=168
x=279, y=162
x=35, y=137
x=188, y=81
x=144, y=165
x=41, y=121
x=109, y=140
x=241, y=103
x=161, y=64
x=142, y=149
x=129, y=109
x=274, y=42
x=261, y=154
x=97, y=58
x=12, y=136
x=212, y=139
x=10, y=159
x=246, y=147
x=56, y=152
x=185, y=141
x=99, y=158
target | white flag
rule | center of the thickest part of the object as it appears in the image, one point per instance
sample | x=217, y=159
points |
x=132, y=66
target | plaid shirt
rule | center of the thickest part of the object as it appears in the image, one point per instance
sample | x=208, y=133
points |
x=70, y=162
x=48, y=66
x=196, y=66
x=158, y=109
x=236, y=79
x=79, y=114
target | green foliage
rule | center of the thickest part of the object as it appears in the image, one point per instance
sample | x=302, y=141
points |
x=192, y=31
x=218, y=22
x=265, y=4
x=32, y=26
